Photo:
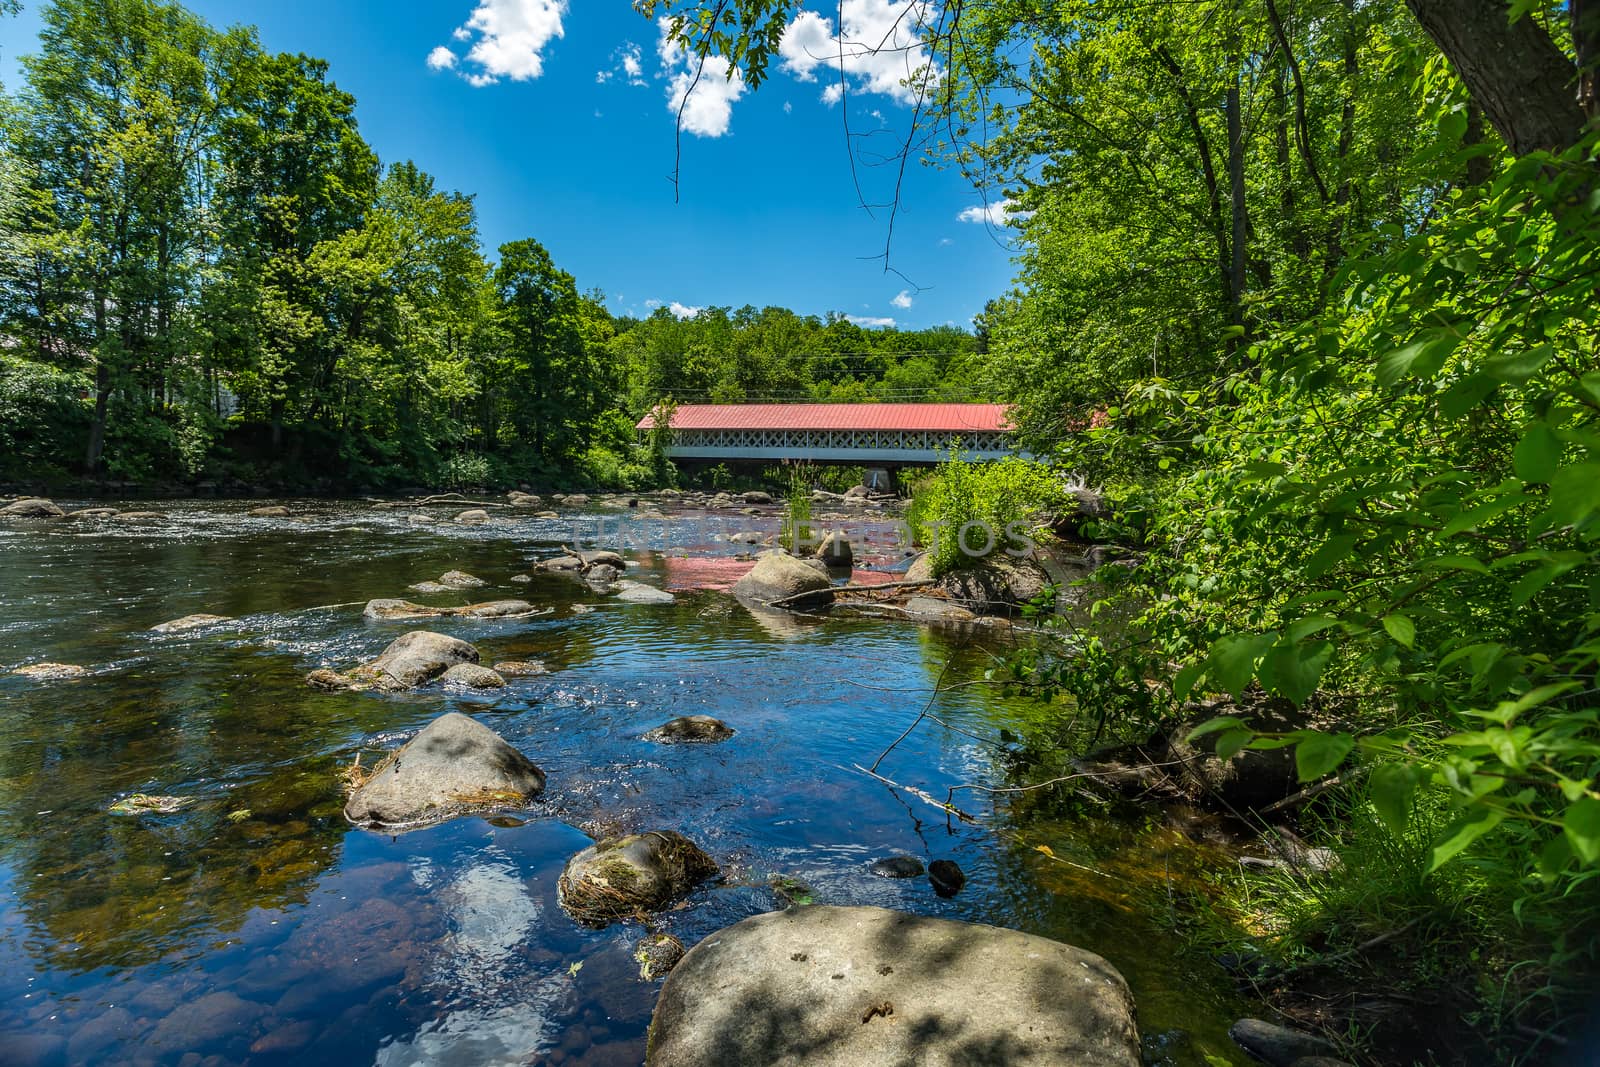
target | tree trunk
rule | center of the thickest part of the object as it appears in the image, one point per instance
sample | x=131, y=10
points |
x=1236, y=189
x=97, y=428
x=1583, y=16
x=1513, y=70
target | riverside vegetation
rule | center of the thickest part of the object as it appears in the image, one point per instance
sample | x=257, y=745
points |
x=1307, y=293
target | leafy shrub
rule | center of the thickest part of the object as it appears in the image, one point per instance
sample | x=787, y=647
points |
x=466, y=470
x=967, y=506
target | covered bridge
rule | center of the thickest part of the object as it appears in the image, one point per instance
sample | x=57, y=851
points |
x=870, y=435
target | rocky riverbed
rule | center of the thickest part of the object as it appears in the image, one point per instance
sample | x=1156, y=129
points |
x=196, y=866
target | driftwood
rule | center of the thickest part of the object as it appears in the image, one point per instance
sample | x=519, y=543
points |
x=444, y=498
x=852, y=589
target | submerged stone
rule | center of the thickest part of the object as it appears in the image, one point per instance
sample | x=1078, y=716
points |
x=189, y=622
x=1277, y=1045
x=631, y=592
x=897, y=867
x=472, y=676
x=656, y=955
x=946, y=878
x=51, y=672
x=517, y=668
x=691, y=728
x=863, y=987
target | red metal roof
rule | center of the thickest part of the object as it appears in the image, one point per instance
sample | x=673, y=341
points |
x=944, y=418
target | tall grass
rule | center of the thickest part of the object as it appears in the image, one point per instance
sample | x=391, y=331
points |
x=796, y=534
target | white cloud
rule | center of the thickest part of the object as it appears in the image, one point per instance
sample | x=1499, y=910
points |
x=871, y=321
x=706, y=104
x=903, y=300
x=788, y=108
x=441, y=58
x=943, y=241
x=633, y=64
x=994, y=213
x=652, y=304
x=684, y=311
x=878, y=49
x=508, y=37
x=627, y=61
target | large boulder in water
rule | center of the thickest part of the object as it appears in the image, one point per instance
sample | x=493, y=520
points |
x=778, y=576
x=32, y=508
x=863, y=987
x=414, y=658
x=997, y=584
x=835, y=550
x=624, y=876
x=455, y=764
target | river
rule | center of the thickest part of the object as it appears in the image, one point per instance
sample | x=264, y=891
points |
x=254, y=925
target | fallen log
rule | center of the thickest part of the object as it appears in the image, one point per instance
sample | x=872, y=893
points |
x=856, y=589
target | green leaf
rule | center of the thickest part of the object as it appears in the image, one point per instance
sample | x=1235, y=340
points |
x=1466, y=394
x=1574, y=494
x=1473, y=517
x=1293, y=670
x=1402, y=629
x=1334, y=550
x=1463, y=832
x=1183, y=682
x=1421, y=358
x=1232, y=663
x=1211, y=726
x=1318, y=753
x=1231, y=742
x=1454, y=563
x=1529, y=585
x=1518, y=367
x=1390, y=788
x=1538, y=455
x=1581, y=827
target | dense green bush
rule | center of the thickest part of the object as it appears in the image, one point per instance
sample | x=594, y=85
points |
x=968, y=510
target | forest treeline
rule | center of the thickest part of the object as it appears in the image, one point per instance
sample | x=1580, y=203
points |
x=207, y=274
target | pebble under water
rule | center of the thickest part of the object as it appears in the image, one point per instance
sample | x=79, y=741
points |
x=254, y=925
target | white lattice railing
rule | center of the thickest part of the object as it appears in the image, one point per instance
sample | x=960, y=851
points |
x=927, y=443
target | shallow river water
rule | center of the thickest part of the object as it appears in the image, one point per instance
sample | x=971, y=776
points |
x=254, y=925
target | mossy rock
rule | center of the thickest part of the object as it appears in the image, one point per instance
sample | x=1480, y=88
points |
x=623, y=877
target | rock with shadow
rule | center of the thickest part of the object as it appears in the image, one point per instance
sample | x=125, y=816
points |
x=779, y=579
x=996, y=584
x=410, y=660
x=454, y=766
x=32, y=508
x=623, y=877
x=866, y=987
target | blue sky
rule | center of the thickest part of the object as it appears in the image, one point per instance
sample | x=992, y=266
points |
x=558, y=117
